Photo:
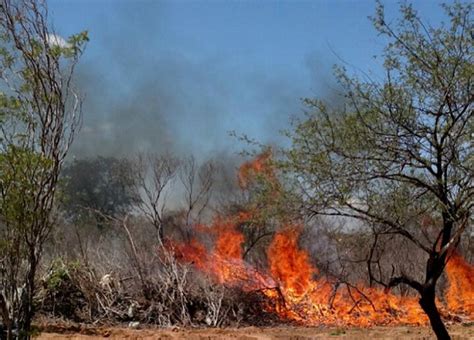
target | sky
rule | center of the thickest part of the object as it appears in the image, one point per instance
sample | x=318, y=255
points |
x=178, y=76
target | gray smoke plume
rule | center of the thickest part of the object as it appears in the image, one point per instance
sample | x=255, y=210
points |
x=137, y=99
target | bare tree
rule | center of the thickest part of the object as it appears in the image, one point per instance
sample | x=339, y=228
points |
x=155, y=174
x=40, y=114
x=197, y=182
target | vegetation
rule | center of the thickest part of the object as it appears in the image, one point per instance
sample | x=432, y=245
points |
x=362, y=212
x=398, y=155
x=39, y=116
x=98, y=187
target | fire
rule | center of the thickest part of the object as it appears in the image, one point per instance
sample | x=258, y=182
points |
x=193, y=252
x=224, y=263
x=288, y=264
x=229, y=241
x=261, y=165
x=460, y=293
x=293, y=285
x=320, y=301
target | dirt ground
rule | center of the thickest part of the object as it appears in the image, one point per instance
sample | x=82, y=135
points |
x=253, y=333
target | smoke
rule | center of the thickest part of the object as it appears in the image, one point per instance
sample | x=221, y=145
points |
x=173, y=104
x=144, y=94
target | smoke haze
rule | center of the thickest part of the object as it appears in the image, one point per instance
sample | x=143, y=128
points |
x=142, y=93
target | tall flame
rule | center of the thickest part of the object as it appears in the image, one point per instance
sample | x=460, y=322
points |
x=320, y=301
x=288, y=264
x=460, y=293
x=224, y=263
x=295, y=288
x=260, y=165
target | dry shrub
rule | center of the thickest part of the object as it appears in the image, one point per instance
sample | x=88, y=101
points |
x=111, y=282
x=180, y=296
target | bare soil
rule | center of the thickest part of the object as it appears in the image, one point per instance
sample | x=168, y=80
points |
x=458, y=331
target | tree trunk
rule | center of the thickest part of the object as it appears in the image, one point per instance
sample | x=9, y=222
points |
x=25, y=317
x=427, y=302
x=8, y=330
x=434, y=269
x=24, y=325
x=27, y=311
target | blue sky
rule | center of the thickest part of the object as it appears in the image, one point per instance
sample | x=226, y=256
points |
x=176, y=76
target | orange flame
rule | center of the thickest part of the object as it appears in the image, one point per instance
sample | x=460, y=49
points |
x=460, y=292
x=193, y=252
x=260, y=165
x=224, y=263
x=298, y=294
x=289, y=265
x=318, y=301
x=295, y=288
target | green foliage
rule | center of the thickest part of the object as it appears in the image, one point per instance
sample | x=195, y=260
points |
x=396, y=151
x=408, y=137
x=19, y=174
x=39, y=115
x=59, y=273
x=9, y=107
x=75, y=44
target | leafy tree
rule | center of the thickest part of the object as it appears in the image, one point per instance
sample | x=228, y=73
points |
x=400, y=149
x=39, y=115
x=101, y=186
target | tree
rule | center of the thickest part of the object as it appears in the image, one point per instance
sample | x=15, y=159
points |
x=160, y=178
x=197, y=181
x=399, y=149
x=101, y=186
x=39, y=115
x=155, y=174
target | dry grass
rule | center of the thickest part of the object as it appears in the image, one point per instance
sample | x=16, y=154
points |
x=254, y=333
